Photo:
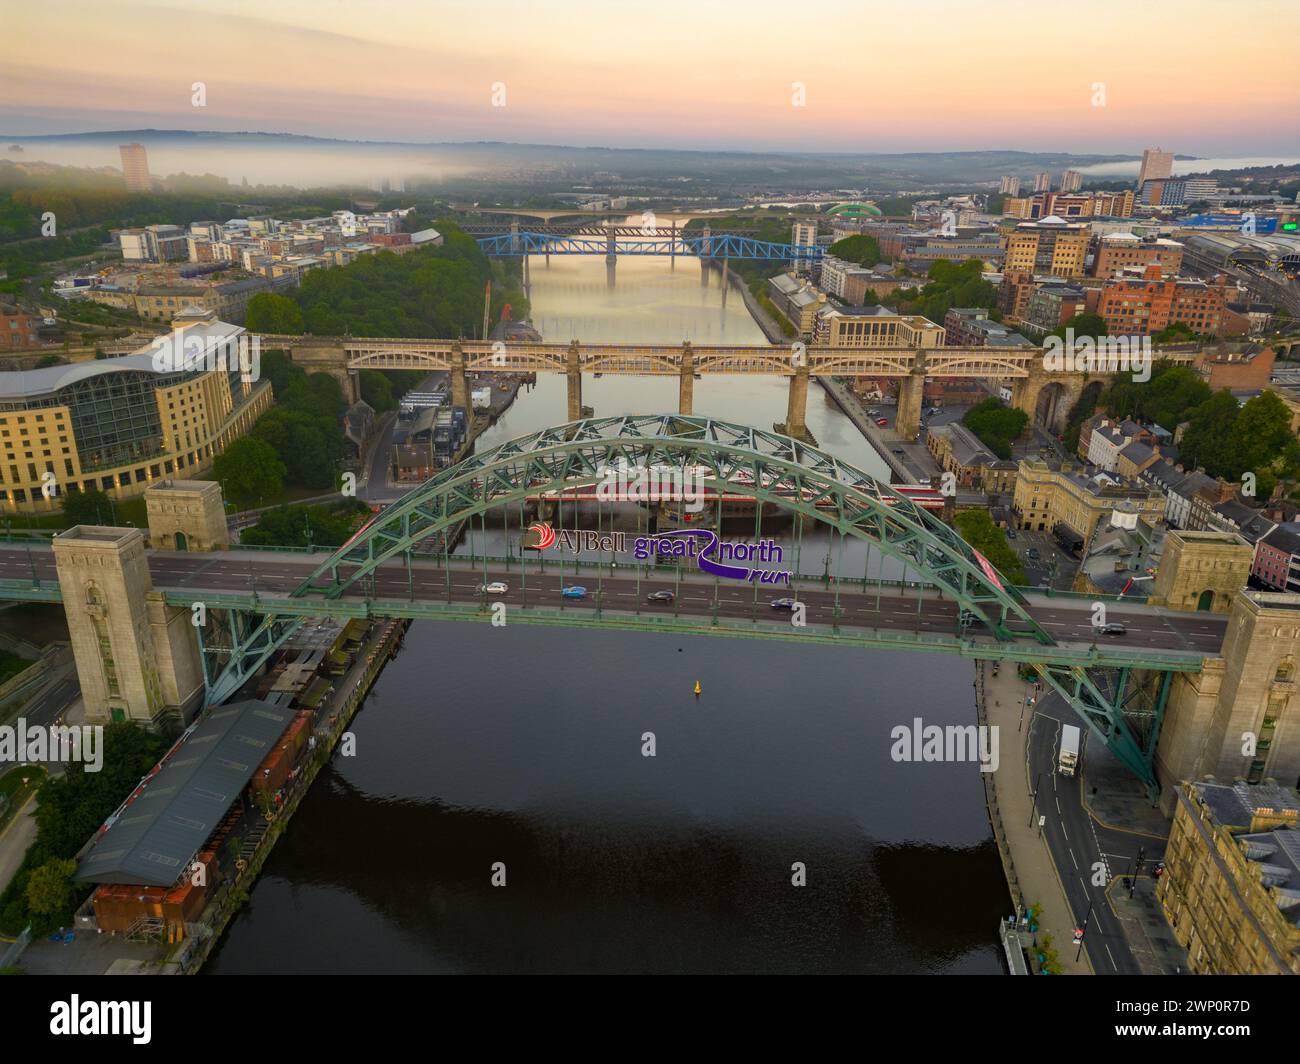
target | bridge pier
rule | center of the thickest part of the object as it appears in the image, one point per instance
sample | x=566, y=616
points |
x=911, y=393
x=611, y=256
x=527, y=283
x=573, y=373
x=459, y=382
x=672, y=249
x=796, y=411
x=686, y=382
x=723, y=279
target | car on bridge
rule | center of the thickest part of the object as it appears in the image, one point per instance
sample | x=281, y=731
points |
x=660, y=596
x=784, y=604
x=494, y=588
x=1113, y=628
x=882, y=422
x=574, y=591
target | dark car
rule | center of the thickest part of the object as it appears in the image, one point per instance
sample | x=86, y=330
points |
x=1011, y=533
x=783, y=604
x=1113, y=628
x=1032, y=552
x=660, y=596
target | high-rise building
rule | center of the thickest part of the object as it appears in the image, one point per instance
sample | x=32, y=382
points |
x=1043, y=182
x=804, y=233
x=1156, y=164
x=1071, y=181
x=135, y=168
x=1010, y=185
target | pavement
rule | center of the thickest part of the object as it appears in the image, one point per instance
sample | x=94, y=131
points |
x=1036, y=873
x=16, y=839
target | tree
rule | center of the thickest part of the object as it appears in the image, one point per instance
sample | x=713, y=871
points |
x=864, y=250
x=996, y=424
x=50, y=887
x=307, y=445
x=92, y=507
x=977, y=529
x=1093, y=325
x=273, y=313
x=249, y=471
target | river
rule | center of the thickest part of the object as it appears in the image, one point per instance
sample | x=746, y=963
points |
x=524, y=746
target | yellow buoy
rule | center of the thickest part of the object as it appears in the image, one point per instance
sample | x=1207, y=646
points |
x=697, y=688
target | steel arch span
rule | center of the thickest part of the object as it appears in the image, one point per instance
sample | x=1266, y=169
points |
x=774, y=468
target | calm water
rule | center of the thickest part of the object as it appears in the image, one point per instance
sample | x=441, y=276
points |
x=524, y=746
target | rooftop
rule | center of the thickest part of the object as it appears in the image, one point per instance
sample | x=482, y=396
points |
x=155, y=835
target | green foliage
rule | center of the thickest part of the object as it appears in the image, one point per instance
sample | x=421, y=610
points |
x=996, y=424
x=307, y=446
x=271, y=312
x=864, y=250
x=302, y=526
x=1168, y=398
x=249, y=471
x=1178, y=332
x=48, y=360
x=50, y=888
x=93, y=507
x=1093, y=325
x=950, y=285
x=977, y=529
x=1228, y=440
x=430, y=292
x=71, y=807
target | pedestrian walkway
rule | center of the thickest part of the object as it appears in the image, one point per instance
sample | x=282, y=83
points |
x=1149, y=935
x=1015, y=824
x=16, y=839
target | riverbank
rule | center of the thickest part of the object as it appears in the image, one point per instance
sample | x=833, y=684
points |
x=852, y=409
x=1031, y=874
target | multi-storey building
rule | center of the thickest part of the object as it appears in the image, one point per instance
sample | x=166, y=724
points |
x=1070, y=501
x=1042, y=182
x=971, y=327
x=1155, y=164
x=1230, y=888
x=1071, y=205
x=1140, y=305
x=1052, y=302
x=1277, y=558
x=1071, y=181
x=1120, y=251
x=135, y=168
x=873, y=327
x=19, y=327
x=1010, y=185
x=120, y=424
x=1052, y=246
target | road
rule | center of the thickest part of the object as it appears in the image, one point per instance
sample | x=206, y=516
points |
x=1067, y=621
x=1083, y=850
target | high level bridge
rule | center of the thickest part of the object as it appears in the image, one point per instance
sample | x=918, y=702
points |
x=1058, y=390
x=130, y=610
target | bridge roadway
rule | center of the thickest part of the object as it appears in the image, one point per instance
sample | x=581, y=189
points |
x=1068, y=621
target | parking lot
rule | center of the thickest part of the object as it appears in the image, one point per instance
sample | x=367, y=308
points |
x=1052, y=565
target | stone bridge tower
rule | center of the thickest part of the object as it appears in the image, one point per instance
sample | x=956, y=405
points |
x=1240, y=716
x=137, y=658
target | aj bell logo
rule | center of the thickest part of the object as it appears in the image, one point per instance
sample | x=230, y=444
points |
x=134, y=1018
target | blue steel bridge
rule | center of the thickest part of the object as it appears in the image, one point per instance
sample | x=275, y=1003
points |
x=949, y=600
x=623, y=240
